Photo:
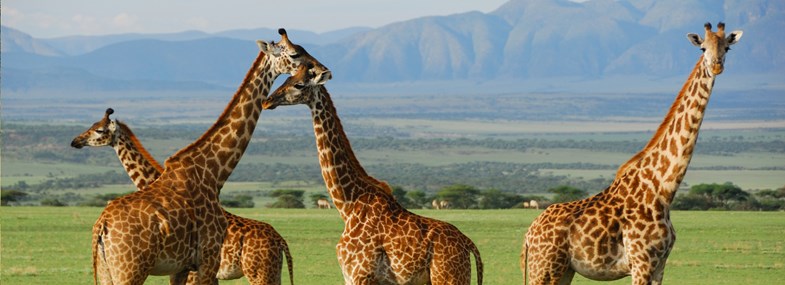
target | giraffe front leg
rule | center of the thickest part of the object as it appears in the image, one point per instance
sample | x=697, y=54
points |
x=184, y=277
x=648, y=271
x=358, y=263
x=207, y=271
x=548, y=267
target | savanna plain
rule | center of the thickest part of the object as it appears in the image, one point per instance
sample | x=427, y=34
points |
x=51, y=245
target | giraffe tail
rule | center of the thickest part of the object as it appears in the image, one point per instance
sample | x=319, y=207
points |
x=477, y=260
x=289, y=266
x=525, y=262
x=98, y=228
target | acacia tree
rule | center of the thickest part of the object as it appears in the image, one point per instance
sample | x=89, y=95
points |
x=287, y=198
x=11, y=196
x=496, y=199
x=401, y=195
x=459, y=196
x=417, y=198
x=720, y=195
x=567, y=193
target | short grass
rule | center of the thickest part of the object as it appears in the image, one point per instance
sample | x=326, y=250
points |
x=43, y=245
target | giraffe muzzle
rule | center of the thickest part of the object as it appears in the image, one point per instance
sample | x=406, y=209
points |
x=323, y=77
x=77, y=144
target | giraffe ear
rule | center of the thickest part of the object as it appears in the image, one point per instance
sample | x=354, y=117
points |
x=695, y=39
x=734, y=37
x=263, y=46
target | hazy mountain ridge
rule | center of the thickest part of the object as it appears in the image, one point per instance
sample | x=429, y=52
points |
x=521, y=39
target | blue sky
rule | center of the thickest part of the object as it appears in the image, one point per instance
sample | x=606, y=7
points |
x=55, y=18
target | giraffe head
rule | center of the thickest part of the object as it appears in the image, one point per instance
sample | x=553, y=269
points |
x=714, y=46
x=290, y=56
x=297, y=89
x=102, y=133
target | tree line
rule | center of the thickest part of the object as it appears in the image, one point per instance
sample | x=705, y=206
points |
x=726, y=196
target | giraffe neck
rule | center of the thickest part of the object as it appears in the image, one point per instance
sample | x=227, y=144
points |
x=212, y=158
x=141, y=167
x=663, y=162
x=344, y=176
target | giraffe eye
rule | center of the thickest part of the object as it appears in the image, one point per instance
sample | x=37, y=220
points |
x=296, y=55
x=100, y=131
x=299, y=86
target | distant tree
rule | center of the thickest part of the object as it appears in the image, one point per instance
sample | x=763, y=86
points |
x=401, y=195
x=728, y=193
x=287, y=198
x=692, y=202
x=100, y=200
x=239, y=201
x=702, y=190
x=418, y=198
x=21, y=185
x=11, y=196
x=53, y=202
x=775, y=194
x=567, y=193
x=496, y=199
x=459, y=196
x=281, y=192
x=720, y=195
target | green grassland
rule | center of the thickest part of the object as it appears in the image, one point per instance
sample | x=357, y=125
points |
x=44, y=245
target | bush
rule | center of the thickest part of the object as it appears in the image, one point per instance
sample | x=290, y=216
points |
x=239, y=201
x=288, y=201
x=287, y=198
x=567, y=194
x=52, y=202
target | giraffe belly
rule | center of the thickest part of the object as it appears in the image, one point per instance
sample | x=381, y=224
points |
x=602, y=268
x=386, y=274
x=166, y=267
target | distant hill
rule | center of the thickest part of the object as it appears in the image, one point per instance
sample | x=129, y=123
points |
x=15, y=41
x=522, y=39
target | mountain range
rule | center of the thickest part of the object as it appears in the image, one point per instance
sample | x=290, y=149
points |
x=522, y=39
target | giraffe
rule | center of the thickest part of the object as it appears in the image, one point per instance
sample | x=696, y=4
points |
x=251, y=248
x=382, y=242
x=626, y=229
x=175, y=224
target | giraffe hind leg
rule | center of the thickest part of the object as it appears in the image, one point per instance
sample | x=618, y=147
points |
x=566, y=277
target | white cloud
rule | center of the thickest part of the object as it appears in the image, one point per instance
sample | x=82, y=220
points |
x=124, y=20
x=85, y=24
x=198, y=23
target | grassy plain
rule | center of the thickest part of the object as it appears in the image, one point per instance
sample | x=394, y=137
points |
x=44, y=245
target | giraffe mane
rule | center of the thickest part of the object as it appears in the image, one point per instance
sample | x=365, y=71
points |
x=665, y=123
x=226, y=113
x=139, y=147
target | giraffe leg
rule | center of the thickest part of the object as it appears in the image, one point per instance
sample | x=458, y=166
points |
x=127, y=266
x=450, y=266
x=551, y=269
x=262, y=264
x=358, y=265
x=185, y=277
x=566, y=279
x=102, y=269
